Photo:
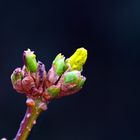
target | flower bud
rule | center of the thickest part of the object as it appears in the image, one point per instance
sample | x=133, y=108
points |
x=40, y=74
x=16, y=79
x=28, y=83
x=52, y=77
x=71, y=77
x=71, y=82
x=75, y=77
x=78, y=59
x=57, y=69
x=59, y=64
x=16, y=75
x=29, y=59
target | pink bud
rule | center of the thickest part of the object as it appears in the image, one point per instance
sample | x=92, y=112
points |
x=28, y=83
x=52, y=76
x=18, y=86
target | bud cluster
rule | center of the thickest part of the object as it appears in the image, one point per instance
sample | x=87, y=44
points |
x=64, y=77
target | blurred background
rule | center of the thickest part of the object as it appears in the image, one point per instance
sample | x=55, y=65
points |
x=108, y=107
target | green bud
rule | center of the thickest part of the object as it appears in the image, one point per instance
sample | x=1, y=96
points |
x=71, y=77
x=74, y=77
x=29, y=59
x=59, y=64
x=53, y=91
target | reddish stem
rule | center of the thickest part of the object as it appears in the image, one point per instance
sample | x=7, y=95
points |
x=29, y=121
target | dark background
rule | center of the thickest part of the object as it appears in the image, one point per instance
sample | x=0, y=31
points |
x=108, y=107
